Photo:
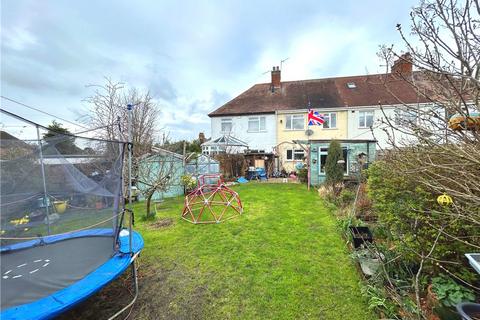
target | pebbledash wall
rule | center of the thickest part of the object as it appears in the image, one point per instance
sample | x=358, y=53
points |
x=263, y=139
x=353, y=149
x=356, y=132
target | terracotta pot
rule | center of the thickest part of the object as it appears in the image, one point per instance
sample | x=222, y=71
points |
x=99, y=205
x=432, y=304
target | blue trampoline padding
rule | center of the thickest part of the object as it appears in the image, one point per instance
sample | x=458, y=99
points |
x=58, y=237
x=60, y=301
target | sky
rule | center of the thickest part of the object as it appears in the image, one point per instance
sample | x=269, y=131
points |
x=193, y=56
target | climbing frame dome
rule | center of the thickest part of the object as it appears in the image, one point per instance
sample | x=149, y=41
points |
x=211, y=202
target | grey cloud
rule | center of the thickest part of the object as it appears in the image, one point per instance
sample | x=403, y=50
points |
x=202, y=52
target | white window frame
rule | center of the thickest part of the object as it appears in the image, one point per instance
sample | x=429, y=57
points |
x=226, y=121
x=324, y=151
x=295, y=152
x=363, y=115
x=291, y=118
x=328, y=118
x=262, y=124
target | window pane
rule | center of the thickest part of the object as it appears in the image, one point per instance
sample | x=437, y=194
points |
x=326, y=124
x=323, y=160
x=253, y=124
x=333, y=120
x=297, y=123
x=299, y=154
x=226, y=127
x=289, y=154
x=262, y=123
x=369, y=119
x=361, y=119
x=345, y=158
x=288, y=122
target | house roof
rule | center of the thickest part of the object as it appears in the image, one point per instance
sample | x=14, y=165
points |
x=367, y=90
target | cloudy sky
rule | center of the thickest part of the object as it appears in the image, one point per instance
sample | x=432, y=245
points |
x=193, y=56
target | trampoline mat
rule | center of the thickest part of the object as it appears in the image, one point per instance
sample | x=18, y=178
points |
x=34, y=273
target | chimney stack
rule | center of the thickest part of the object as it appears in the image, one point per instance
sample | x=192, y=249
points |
x=275, y=78
x=403, y=65
x=201, y=137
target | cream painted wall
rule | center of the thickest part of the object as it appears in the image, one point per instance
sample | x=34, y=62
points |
x=285, y=136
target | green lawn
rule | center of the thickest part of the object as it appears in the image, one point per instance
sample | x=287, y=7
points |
x=283, y=258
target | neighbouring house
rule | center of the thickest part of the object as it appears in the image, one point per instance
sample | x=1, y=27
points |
x=12, y=147
x=162, y=163
x=355, y=110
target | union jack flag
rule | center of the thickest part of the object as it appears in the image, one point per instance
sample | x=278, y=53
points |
x=314, y=118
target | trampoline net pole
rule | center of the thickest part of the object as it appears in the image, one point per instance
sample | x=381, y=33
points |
x=45, y=194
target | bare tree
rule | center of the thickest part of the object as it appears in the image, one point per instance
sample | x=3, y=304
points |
x=441, y=154
x=109, y=114
x=157, y=173
x=445, y=49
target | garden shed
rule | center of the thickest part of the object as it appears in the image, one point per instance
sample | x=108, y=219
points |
x=158, y=167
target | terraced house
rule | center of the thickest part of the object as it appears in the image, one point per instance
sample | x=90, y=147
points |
x=272, y=117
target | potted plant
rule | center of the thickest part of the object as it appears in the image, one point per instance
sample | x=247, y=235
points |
x=189, y=183
x=60, y=206
x=370, y=260
x=444, y=294
x=360, y=236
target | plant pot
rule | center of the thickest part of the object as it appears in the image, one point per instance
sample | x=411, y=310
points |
x=469, y=310
x=361, y=235
x=60, y=206
x=370, y=266
x=99, y=205
x=446, y=313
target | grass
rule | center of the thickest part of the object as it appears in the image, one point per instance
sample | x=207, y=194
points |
x=283, y=258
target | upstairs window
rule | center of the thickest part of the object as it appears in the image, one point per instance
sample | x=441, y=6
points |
x=256, y=124
x=330, y=120
x=365, y=119
x=227, y=125
x=405, y=117
x=294, y=122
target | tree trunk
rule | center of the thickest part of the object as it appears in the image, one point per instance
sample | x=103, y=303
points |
x=149, y=200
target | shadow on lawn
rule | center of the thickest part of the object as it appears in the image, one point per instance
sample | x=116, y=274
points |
x=158, y=297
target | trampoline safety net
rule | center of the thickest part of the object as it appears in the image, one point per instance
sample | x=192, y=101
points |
x=61, y=203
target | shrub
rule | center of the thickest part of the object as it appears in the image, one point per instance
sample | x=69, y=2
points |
x=302, y=175
x=450, y=293
x=188, y=181
x=345, y=197
x=333, y=169
x=412, y=217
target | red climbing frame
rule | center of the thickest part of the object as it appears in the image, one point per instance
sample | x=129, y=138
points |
x=211, y=202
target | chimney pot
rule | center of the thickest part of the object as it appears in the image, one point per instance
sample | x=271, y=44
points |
x=201, y=137
x=403, y=65
x=276, y=78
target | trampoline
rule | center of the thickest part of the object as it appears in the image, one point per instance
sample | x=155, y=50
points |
x=40, y=281
x=54, y=257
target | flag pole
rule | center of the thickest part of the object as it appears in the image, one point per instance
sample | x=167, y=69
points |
x=308, y=152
